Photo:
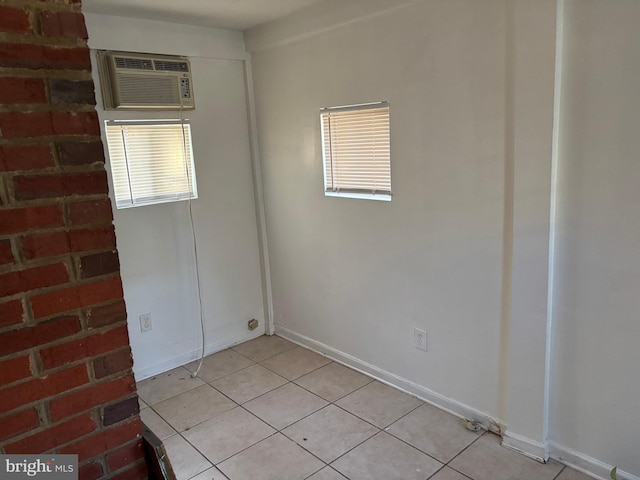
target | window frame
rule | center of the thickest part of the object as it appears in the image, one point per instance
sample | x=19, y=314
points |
x=370, y=192
x=188, y=175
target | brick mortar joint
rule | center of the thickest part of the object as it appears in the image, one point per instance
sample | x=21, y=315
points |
x=42, y=40
x=43, y=415
x=54, y=259
x=4, y=194
x=124, y=398
x=34, y=351
x=81, y=334
x=53, y=6
x=67, y=262
x=60, y=229
x=96, y=167
x=15, y=251
x=45, y=107
x=47, y=201
x=38, y=403
x=70, y=74
x=38, y=369
x=39, y=139
x=43, y=374
x=42, y=405
x=99, y=459
x=28, y=295
x=49, y=171
x=94, y=413
x=34, y=262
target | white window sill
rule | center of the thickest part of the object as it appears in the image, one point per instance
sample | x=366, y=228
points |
x=363, y=196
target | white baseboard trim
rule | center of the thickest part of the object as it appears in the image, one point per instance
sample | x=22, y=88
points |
x=584, y=463
x=433, y=398
x=525, y=446
x=183, y=359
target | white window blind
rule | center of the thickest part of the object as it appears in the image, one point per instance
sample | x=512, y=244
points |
x=356, y=151
x=151, y=162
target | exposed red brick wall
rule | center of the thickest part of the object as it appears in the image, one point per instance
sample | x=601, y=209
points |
x=66, y=384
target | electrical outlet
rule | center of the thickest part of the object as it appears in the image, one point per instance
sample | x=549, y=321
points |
x=420, y=339
x=145, y=322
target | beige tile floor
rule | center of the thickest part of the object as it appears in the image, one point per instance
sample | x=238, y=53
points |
x=270, y=410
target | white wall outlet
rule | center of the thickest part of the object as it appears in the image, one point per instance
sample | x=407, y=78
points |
x=145, y=322
x=420, y=339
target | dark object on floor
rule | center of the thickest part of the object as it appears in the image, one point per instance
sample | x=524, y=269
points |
x=156, y=456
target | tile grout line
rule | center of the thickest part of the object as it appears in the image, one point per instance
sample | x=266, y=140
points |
x=444, y=464
x=310, y=414
x=244, y=368
x=564, y=467
x=280, y=431
x=291, y=424
x=380, y=430
x=276, y=430
x=448, y=464
x=241, y=405
x=264, y=393
x=199, y=423
x=168, y=398
x=299, y=376
x=180, y=433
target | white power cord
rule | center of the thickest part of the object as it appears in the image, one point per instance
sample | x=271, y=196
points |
x=195, y=256
x=472, y=425
x=195, y=245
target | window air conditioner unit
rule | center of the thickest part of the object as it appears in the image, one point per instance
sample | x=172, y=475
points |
x=137, y=81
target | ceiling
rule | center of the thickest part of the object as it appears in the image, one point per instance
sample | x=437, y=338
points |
x=229, y=14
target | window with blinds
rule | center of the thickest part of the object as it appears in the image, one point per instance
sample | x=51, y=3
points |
x=151, y=162
x=356, y=151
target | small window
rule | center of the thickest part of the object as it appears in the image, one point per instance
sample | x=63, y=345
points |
x=151, y=162
x=356, y=152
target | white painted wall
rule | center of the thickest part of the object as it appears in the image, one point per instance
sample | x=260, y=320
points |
x=463, y=249
x=154, y=242
x=358, y=275
x=596, y=385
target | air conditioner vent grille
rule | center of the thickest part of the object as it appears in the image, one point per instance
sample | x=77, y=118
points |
x=168, y=66
x=133, y=63
x=140, y=91
x=139, y=81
